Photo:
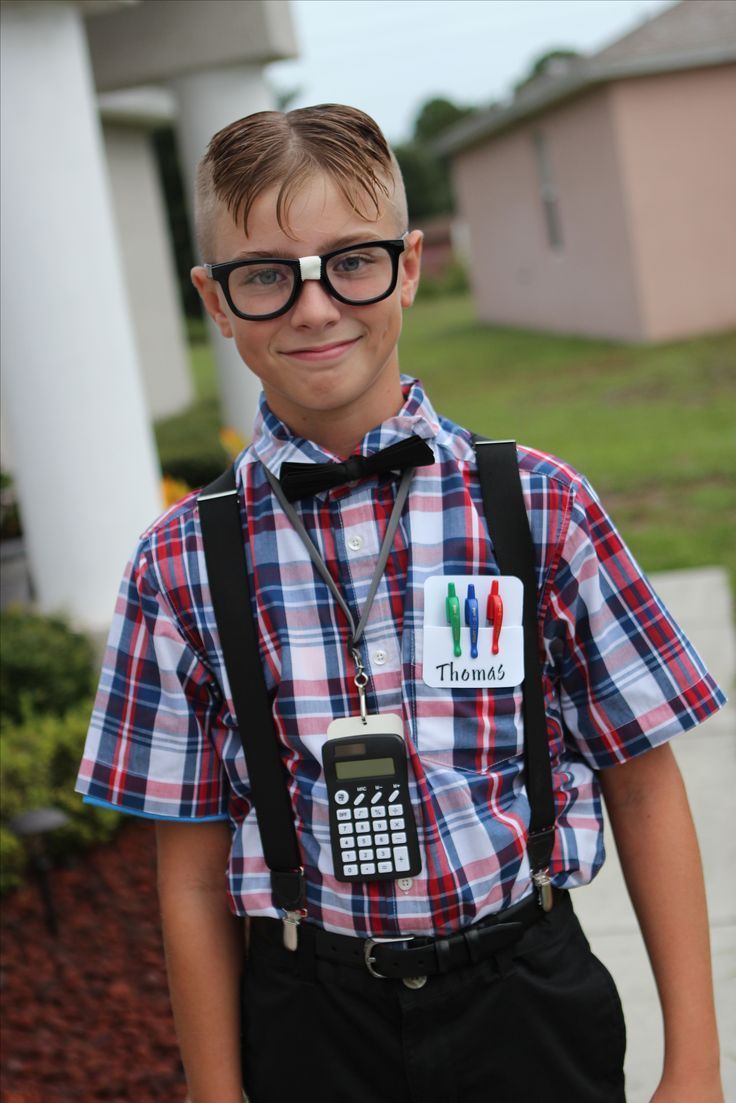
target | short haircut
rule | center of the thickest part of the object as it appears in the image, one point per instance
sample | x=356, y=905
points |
x=275, y=148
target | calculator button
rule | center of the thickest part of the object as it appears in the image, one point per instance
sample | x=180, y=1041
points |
x=395, y=810
x=398, y=837
x=350, y=871
x=349, y=856
x=379, y=810
x=385, y=867
x=397, y=825
x=383, y=852
x=381, y=840
x=344, y=814
x=376, y=797
x=341, y=797
x=401, y=858
x=347, y=842
x=362, y=828
x=361, y=813
x=365, y=855
x=368, y=867
x=359, y=799
x=345, y=828
x=393, y=797
x=380, y=825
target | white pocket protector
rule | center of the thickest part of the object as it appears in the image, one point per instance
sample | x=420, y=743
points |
x=449, y=645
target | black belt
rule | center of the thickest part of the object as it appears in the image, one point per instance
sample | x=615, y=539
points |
x=412, y=955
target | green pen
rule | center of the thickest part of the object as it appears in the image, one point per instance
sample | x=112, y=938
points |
x=452, y=608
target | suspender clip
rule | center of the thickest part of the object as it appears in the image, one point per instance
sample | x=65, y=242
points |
x=543, y=885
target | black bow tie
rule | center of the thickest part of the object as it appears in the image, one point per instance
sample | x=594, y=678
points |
x=300, y=480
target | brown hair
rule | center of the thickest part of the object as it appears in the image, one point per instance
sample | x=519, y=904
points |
x=270, y=147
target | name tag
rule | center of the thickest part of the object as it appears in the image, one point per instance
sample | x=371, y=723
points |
x=473, y=634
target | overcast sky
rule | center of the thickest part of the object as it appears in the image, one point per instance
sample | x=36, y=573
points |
x=389, y=56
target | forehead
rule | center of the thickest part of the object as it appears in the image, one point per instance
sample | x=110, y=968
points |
x=316, y=218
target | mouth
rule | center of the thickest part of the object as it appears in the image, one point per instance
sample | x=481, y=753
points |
x=331, y=351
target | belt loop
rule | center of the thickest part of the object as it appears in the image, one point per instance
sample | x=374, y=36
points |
x=471, y=939
x=442, y=949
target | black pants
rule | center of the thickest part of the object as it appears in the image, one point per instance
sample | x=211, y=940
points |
x=540, y=1023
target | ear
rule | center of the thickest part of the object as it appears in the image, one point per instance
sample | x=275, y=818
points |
x=211, y=295
x=411, y=263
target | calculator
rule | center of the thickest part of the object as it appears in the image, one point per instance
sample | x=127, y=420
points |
x=372, y=826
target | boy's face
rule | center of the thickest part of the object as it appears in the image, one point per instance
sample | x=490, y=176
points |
x=323, y=362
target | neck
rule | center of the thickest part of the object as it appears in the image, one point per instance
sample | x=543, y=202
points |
x=342, y=429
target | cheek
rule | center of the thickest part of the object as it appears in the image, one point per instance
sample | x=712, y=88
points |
x=253, y=341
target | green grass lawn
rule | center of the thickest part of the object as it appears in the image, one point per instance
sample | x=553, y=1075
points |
x=653, y=427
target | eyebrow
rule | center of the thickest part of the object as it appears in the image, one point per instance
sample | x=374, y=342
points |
x=282, y=254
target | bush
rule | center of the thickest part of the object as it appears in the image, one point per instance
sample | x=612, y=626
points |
x=38, y=767
x=46, y=666
x=189, y=444
x=453, y=281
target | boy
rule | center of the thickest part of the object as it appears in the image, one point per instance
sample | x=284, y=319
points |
x=528, y=1013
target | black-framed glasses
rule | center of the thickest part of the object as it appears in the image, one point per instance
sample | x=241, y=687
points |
x=269, y=286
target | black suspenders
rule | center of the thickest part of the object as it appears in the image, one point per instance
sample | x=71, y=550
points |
x=224, y=548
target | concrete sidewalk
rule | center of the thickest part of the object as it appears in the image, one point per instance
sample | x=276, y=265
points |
x=701, y=603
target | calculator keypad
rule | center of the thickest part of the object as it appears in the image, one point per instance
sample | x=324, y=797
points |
x=371, y=833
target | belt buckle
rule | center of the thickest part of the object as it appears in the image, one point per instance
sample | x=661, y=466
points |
x=368, y=947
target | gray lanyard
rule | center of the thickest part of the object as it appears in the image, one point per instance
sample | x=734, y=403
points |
x=356, y=634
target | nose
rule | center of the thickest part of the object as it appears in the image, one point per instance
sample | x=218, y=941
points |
x=315, y=307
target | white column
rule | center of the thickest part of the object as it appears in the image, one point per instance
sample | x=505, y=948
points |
x=83, y=454
x=149, y=268
x=208, y=101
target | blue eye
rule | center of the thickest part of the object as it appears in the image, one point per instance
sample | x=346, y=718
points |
x=352, y=264
x=265, y=277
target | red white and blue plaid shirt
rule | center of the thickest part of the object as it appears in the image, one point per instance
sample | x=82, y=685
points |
x=619, y=677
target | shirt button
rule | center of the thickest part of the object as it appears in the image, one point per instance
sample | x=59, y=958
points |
x=379, y=657
x=355, y=543
x=405, y=883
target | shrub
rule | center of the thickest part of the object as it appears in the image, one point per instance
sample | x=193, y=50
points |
x=38, y=767
x=453, y=281
x=189, y=445
x=46, y=666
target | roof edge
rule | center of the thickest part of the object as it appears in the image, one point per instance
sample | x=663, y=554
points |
x=586, y=74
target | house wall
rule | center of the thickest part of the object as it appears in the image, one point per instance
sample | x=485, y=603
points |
x=677, y=150
x=589, y=285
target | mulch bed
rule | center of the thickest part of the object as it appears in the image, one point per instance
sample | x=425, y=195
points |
x=86, y=1013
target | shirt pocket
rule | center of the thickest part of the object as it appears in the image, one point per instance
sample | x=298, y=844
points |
x=469, y=728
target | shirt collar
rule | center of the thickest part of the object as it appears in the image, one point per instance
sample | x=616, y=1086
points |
x=274, y=443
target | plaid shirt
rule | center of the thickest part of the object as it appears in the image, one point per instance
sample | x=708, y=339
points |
x=619, y=677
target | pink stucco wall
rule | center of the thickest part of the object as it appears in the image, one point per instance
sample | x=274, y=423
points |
x=586, y=287
x=645, y=175
x=676, y=138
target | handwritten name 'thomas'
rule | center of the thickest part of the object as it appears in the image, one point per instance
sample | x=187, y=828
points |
x=448, y=672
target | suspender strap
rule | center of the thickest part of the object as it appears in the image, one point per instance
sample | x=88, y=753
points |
x=508, y=524
x=222, y=534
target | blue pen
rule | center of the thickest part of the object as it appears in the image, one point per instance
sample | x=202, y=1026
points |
x=472, y=620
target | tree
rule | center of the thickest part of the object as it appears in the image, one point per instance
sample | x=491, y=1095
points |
x=427, y=176
x=551, y=63
x=438, y=115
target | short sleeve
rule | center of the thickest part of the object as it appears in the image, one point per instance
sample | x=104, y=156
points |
x=629, y=679
x=151, y=748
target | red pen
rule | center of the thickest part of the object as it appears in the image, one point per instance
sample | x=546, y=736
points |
x=494, y=615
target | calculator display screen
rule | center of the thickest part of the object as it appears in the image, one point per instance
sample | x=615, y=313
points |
x=370, y=767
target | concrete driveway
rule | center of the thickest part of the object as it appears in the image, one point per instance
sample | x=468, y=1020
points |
x=701, y=603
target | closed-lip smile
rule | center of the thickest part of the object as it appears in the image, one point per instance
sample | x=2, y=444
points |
x=323, y=352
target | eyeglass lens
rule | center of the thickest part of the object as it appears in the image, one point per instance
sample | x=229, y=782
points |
x=358, y=276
